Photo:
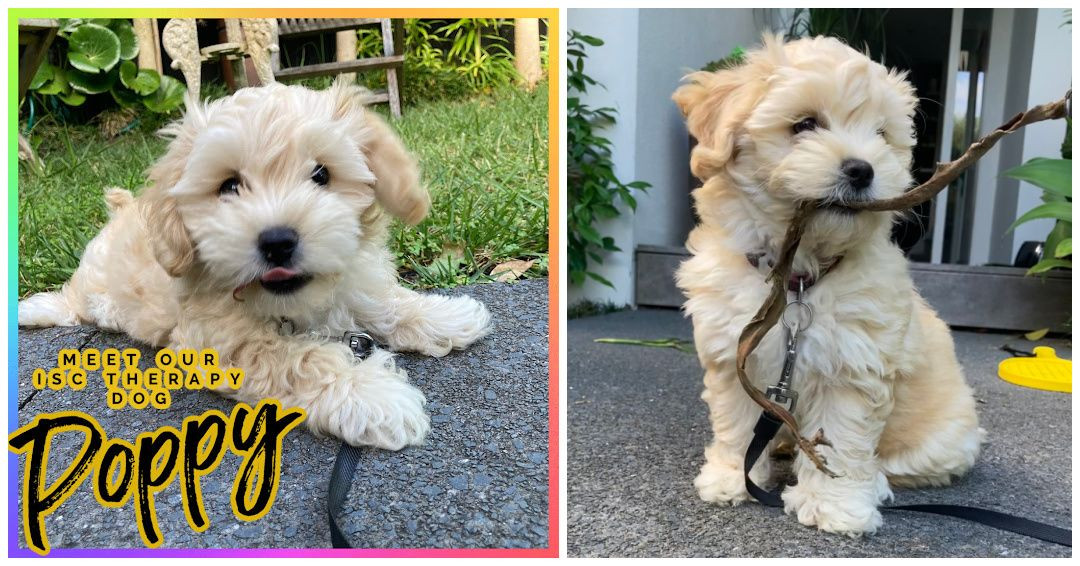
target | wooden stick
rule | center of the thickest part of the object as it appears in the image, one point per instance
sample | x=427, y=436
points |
x=769, y=313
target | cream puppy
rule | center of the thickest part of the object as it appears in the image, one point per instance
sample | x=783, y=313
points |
x=266, y=213
x=815, y=119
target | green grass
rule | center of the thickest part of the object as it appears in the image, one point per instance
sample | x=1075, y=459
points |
x=483, y=159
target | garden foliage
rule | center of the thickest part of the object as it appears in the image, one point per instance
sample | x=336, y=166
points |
x=96, y=57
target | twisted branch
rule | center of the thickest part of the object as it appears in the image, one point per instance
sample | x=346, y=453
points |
x=770, y=312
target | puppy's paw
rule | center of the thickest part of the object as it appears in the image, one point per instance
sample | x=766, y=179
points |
x=721, y=484
x=445, y=324
x=382, y=409
x=845, y=508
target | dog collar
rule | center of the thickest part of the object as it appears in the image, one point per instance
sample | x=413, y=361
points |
x=360, y=343
x=754, y=259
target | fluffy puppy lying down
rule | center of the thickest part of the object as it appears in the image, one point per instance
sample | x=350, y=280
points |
x=269, y=206
x=815, y=119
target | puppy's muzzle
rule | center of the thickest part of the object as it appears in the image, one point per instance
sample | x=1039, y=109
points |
x=278, y=246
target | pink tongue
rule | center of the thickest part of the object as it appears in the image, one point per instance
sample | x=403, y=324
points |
x=278, y=274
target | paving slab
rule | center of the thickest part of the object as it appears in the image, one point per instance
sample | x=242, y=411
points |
x=480, y=480
x=637, y=429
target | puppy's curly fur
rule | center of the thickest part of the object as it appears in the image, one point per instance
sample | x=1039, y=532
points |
x=876, y=370
x=182, y=264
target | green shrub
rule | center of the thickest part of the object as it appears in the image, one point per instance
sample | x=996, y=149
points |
x=446, y=59
x=592, y=188
x=95, y=57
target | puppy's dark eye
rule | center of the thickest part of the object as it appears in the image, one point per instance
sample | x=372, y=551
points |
x=881, y=132
x=231, y=186
x=804, y=125
x=320, y=175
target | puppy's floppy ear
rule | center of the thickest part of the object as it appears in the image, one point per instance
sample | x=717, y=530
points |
x=172, y=245
x=397, y=176
x=715, y=105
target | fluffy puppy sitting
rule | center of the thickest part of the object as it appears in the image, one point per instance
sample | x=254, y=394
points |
x=816, y=120
x=267, y=212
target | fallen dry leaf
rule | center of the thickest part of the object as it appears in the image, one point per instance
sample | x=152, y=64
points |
x=511, y=270
x=1037, y=334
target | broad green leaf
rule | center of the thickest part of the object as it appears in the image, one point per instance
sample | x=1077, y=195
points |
x=125, y=32
x=167, y=97
x=599, y=278
x=1036, y=334
x=142, y=81
x=43, y=75
x=1058, y=210
x=82, y=63
x=1053, y=175
x=1048, y=264
x=91, y=83
x=53, y=87
x=68, y=25
x=73, y=98
x=1058, y=233
x=93, y=48
x=123, y=96
x=593, y=41
x=1064, y=248
x=58, y=84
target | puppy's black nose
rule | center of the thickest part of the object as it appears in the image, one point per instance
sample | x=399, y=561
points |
x=857, y=172
x=277, y=244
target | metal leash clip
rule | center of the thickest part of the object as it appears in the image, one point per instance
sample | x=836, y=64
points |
x=800, y=319
x=361, y=343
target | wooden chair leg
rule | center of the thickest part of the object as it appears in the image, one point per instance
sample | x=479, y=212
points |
x=36, y=50
x=389, y=48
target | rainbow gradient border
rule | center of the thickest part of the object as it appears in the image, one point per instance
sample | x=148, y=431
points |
x=554, y=31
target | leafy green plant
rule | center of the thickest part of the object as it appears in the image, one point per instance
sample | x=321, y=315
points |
x=733, y=59
x=96, y=56
x=592, y=188
x=1054, y=177
x=447, y=59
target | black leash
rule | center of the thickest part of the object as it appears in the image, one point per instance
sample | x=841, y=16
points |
x=348, y=456
x=767, y=427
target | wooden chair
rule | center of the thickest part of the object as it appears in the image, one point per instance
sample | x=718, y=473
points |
x=392, y=59
x=35, y=35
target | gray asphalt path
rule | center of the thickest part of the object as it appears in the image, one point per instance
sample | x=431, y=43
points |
x=481, y=480
x=637, y=428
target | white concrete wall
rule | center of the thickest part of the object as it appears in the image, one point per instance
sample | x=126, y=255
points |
x=673, y=43
x=1051, y=76
x=613, y=65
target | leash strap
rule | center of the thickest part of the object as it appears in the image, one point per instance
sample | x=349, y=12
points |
x=767, y=427
x=348, y=456
x=764, y=431
x=996, y=519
